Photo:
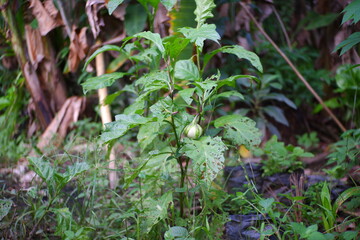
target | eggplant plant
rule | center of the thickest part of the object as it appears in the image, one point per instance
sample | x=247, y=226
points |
x=179, y=139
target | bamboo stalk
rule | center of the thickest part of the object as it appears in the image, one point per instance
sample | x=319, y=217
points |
x=105, y=114
x=300, y=76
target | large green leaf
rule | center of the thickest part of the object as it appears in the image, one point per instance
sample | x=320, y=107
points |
x=240, y=52
x=101, y=50
x=240, y=130
x=122, y=124
x=199, y=35
x=162, y=108
x=5, y=206
x=207, y=155
x=203, y=10
x=105, y=80
x=186, y=70
x=154, y=37
x=135, y=19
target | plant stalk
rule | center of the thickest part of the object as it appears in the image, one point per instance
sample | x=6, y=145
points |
x=106, y=118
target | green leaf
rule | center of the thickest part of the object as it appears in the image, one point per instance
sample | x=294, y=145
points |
x=228, y=94
x=240, y=130
x=174, y=45
x=199, y=35
x=147, y=134
x=186, y=70
x=154, y=37
x=155, y=211
x=276, y=113
x=352, y=11
x=350, y=235
x=163, y=108
x=5, y=206
x=207, y=155
x=203, y=10
x=105, y=80
x=316, y=236
x=42, y=168
x=348, y=193
x=76, y=169
x=176, y=233
x=348, y=43
x=169, y=4
x=101, y=50
x=279, y=97
x=187, y=94
x=266, y=204
x=298, y=228
x=135, y=19
x=241, y=52
x=122, y=124
x=318, y=21
x=113, y=4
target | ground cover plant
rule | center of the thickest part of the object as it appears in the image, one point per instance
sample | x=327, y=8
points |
x=199, y=148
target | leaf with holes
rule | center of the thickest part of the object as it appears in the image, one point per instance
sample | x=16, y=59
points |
x=207, y=155
x=240, y=130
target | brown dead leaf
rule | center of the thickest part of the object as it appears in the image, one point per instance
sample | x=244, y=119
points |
x=161, y=20
x=35, y=45
x=47, y=15
x=92, y=8
x=78, y=48
x=57, y=129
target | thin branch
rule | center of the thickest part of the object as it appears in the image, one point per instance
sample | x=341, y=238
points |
x=288, y=42
x=300, y=76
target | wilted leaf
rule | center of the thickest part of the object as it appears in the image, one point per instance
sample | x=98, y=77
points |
x=35, y=45
x=92, y=8
x=78, y=48
x=207, y=155
x=47, y=15
x=240, y=130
